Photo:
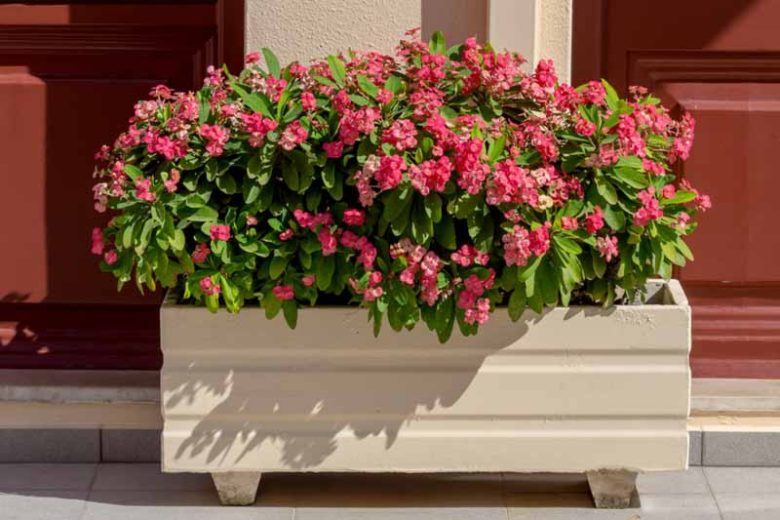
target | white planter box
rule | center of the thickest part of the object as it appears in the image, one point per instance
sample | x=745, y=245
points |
x=576, y=390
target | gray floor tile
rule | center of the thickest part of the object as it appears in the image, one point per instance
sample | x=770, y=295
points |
x=39, y=445
x=740, y=506
x=130, y=446
x=565, y=506
x=673, y=482
x=383, y=490
x=46, y=476
x=744, y=480
x=172, y=505
x=695, y=448
x=148, y=477
x=741, y=449
x=399, y=513
x=42, y=505
x=694, y=506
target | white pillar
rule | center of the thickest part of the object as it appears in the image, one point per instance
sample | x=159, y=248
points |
x=537, y=29
x=306, y=29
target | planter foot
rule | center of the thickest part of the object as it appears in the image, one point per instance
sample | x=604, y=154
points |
x=613, y=488
x=236, y=488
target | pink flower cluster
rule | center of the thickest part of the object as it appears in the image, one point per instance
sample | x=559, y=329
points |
x=431, y=175
x=419, y=261
x=651, y=208
x=469, y=299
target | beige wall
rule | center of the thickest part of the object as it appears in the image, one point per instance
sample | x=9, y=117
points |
x=306, y=29
x=457, y=19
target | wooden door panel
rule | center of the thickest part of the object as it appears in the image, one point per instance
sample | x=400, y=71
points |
x=69, y=76
x=718, y=60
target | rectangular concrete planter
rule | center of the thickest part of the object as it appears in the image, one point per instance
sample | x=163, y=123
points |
x=578, y=389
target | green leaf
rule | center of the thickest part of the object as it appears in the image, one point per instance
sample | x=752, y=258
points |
x=566, y=244
x=290, y=175
x=325, y=269
x=204, y=214
x=290, y=310
x=253, y=100
x=630, y=176
x=445, y=232
x=606, y=189
x=367, y=86
x=464, y=205
x=614, y=218
x=277, y=267
x=496, y=148
x=273, y=63
x=437, y=44
x=177, y=241
x=394, y=84
x=395, y=202
x=227, y=184
x=684, y=249
x=517, y=303
x=337, y=69
x=612, y=97
x=681, y=197
x=133, y=171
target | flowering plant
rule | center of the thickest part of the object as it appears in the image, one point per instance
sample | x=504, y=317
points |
x=434, y=184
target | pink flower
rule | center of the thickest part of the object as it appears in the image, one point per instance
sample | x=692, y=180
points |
x=467, y=162
x=111, y=257
x=384, y=96
x=480, y=314
x=584, y=127
x=681, y=221
x=173, y=180
x=252, y=57
x=208, y=286
x=308, y=101
x=681, y=147
x=517, y=247
x=653, y=167
x=402, y=135
x=201, y=253
x=143, y=190
x=285, y=235
x=257, y=127
x=251, y=220
x=668, y=191
x=293, y=135
x=333, y=150
x=328, y=241
x=595, y=220
x=539, y=240
x=607, y=247
x=467, y=255
x=431, y=175
x=594, y=93
x=97, y=242
x=308, y=280
x=283, y=292
x=354, y=217
x=390, y=172
x=545, y=73
x=569, y=223
x=219, y=232
x=216, y=138
x=650, y=210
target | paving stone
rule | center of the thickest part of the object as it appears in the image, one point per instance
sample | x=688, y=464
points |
x=40, y=445
x=694, y=452
x=673, y=482
x=148, y=477
x=743, y=480
x=73, y=477
x=691, y=506
x=741, y=449
x=130, y=446
x=42, y=505
x=745, y=506
x=173, y=505
x=402, y=513
x=563, y=506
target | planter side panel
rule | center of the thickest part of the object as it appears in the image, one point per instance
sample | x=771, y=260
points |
x=572, y=391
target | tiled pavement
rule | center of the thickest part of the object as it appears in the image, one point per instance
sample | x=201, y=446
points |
x=140, y=491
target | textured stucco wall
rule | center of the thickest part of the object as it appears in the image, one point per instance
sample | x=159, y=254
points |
x=306, y=29
x=553, y=34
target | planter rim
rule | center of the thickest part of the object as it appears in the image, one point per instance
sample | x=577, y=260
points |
x=670, y=291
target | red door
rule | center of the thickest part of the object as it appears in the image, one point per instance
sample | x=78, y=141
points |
x=720, y=60
x=69, y=76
